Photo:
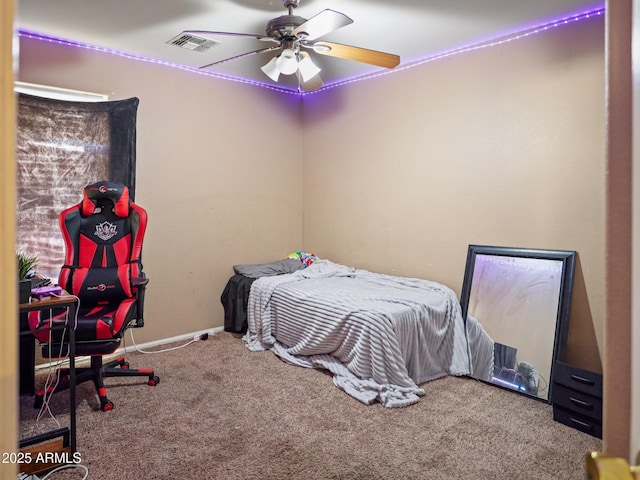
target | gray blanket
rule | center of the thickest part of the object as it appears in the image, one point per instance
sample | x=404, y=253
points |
x=380, y=336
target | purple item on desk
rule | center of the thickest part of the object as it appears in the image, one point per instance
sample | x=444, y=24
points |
x=47, y=291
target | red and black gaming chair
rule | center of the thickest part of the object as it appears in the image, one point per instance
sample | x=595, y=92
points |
x=103, y=238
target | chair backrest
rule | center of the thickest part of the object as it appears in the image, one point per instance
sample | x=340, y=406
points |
x=103, y=238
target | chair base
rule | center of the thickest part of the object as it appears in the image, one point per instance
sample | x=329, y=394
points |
x=96, y=372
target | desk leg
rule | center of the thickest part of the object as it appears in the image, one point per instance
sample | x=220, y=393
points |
x=72, y=377
x=27, y=358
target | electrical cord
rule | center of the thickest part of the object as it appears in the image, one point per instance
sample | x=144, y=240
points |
x=138, y=349
x=50, y=386
x=70, y=465
x=27, y=476
x=545, y=385
x=49, y=389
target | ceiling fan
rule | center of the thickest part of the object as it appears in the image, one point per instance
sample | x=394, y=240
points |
x=295, y=37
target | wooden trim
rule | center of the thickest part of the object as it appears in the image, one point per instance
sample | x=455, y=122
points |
x=8, y=283
x=603, y=467
x=635, y=312
x=617, y=329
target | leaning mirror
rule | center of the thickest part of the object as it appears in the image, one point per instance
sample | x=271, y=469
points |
x=516, y=305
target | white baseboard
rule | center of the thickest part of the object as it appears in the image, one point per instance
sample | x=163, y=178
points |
x=138, y=346
x=165, y=341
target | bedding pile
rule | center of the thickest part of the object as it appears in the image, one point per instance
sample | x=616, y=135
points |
x=379, y=335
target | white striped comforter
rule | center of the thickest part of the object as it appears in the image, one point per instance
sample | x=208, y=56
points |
x=380, y=336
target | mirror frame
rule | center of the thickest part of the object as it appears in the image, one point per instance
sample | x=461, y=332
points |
x=568, y=259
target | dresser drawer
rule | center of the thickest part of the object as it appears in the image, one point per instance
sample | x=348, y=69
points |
x=577, y=421
x=577, y=379
x=576, y=401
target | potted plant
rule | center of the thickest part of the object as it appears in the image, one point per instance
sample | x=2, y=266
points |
x=26, y=263
x=530, y=376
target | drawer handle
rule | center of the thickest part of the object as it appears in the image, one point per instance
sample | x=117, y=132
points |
x=584, y=380
x=582, y=424
x=581, y=403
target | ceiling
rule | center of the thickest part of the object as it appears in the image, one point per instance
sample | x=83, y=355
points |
x=413, y=29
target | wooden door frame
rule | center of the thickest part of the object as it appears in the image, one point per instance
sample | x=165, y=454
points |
x=8, y=283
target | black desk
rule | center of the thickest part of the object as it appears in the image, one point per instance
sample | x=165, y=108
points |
x=70, y=303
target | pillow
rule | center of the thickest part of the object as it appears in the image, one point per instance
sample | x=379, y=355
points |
x=287, y=265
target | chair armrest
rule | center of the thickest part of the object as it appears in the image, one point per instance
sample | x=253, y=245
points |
x=139, y=282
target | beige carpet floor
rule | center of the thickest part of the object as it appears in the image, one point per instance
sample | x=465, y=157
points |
x=223, y=412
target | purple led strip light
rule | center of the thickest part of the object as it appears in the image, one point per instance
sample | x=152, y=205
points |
x=132, y=56
x=491, y=43
x=469, y=48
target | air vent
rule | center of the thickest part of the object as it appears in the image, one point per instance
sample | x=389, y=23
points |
x=193, y=43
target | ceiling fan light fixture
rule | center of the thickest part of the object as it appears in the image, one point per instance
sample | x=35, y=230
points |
x=319, y=48
x=271, y=69
x=307, y=68
x=291, y=33
x=287, y=62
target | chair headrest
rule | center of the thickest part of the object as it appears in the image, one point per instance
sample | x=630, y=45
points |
x=117, y=193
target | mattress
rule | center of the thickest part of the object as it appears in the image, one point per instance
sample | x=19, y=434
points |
x=380, y=336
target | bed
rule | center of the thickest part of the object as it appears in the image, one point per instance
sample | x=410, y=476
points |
x=380, y=336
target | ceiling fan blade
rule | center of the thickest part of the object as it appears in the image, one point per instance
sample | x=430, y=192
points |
x=373, y=57
x=263, y=38
x=242, y=55
x=310, y=85
x=324, y=22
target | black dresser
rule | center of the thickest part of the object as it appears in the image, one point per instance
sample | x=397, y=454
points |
x=576, y=396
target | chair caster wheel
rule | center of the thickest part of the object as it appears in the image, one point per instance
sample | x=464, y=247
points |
x=125, y=365
x=153, y=381
x=38, y=401
x=106, y=405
